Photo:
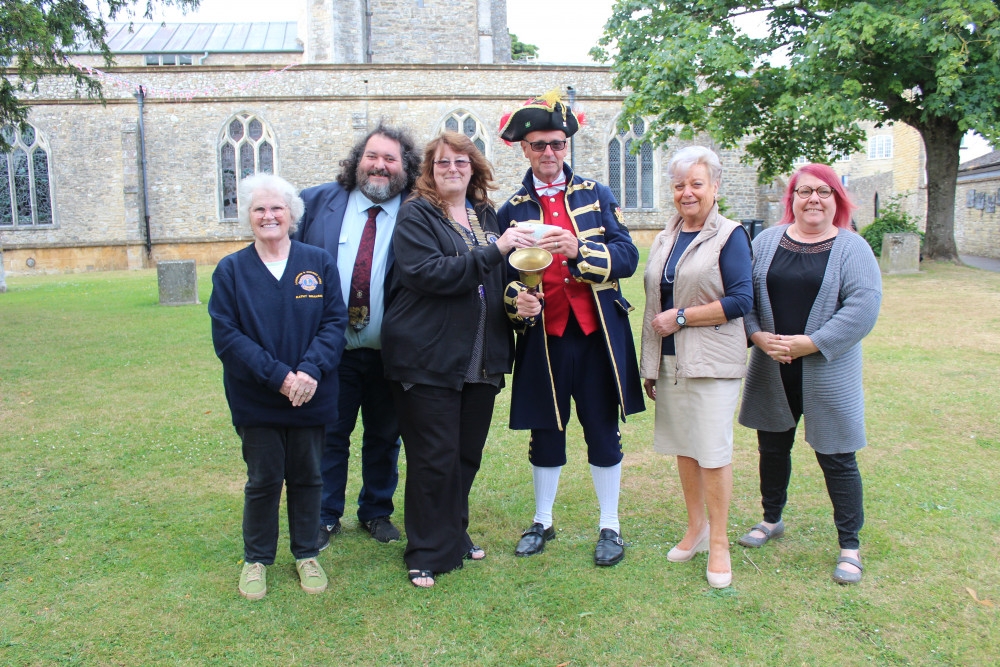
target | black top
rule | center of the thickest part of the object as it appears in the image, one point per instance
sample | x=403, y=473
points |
x=439, y=288
x=793, y=281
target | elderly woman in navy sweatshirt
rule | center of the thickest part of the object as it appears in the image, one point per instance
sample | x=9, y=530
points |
x=278, y=322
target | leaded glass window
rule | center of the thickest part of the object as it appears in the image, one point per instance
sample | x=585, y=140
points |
x=631, y=166
x=467, y=124
x=246, y=147
x=25, y=186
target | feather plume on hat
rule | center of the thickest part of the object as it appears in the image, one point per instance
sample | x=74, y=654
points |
x=546, y=112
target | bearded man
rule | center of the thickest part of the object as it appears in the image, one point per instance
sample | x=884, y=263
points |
x=353, y=219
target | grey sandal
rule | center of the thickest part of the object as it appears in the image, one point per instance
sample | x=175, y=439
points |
x=749, y=540
x=845, y=577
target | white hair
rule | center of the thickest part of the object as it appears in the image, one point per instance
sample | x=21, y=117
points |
x=251, y=185
x=682, y=161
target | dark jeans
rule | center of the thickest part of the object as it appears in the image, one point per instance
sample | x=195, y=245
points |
x=843, y=479
x=444, y=432
x=275, y=456
x=362, y=387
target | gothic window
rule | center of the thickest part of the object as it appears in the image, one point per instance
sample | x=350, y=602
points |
x=467, y=124
x=631, y=166
x=246, y=147
x=25, y=188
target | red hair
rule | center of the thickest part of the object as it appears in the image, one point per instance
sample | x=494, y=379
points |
x=842, y=218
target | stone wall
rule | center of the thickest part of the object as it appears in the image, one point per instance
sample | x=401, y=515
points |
x=977, y=230
x=316, y=112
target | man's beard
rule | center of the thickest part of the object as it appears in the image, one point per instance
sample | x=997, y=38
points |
x=380, y=193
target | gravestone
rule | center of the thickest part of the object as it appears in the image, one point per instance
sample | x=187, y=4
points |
x=178, y=282
x=900, y=253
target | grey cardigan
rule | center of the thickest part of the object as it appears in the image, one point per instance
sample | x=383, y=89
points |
x=844, y=312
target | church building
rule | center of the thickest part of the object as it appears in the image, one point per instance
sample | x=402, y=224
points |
x=192, y=108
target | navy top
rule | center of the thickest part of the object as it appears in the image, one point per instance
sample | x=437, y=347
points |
x=735, y=264
x=264, y=327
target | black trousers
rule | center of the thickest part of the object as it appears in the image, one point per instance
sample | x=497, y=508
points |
x=276, y=456
x=444, y=432
x=843, y=479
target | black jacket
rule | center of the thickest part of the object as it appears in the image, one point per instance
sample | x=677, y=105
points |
x=431, y=319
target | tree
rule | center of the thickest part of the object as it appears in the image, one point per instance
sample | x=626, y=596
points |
x=822, y=65
x=519, y=49
x=37, y=35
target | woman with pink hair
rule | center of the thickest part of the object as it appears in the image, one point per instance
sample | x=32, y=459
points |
x=817, y=292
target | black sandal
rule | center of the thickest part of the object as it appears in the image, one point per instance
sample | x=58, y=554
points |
x=469, y=555
x=420, y=574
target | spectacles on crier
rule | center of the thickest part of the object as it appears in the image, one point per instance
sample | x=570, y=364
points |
x=539, y=146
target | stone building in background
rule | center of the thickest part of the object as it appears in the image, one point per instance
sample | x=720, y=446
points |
x=153, y=176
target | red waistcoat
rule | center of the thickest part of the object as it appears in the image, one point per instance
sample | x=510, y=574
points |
x=562, y=292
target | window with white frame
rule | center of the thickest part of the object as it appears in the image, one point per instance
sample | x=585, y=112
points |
x=155, y=59
x=25, y=187
x=880, y=147
x=246, y=147
x=467, y=124
x=630, y=166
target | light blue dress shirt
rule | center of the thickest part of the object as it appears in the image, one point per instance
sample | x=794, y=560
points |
x=355, y=217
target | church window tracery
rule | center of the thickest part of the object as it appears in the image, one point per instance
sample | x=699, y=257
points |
x=631, y=166
x=25, y=186
x=246, y=147
x=467, y=124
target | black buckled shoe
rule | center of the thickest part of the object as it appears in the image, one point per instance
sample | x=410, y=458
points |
x=533, y=540
x=610, y=548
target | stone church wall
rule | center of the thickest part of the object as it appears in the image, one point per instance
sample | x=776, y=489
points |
x=316, y=112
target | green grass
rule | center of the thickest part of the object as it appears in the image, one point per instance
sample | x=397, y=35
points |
x=121, y=498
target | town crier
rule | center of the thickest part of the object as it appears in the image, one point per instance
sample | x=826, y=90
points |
x=581, y=344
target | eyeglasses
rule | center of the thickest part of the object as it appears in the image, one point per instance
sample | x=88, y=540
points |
x=539, y=146
x=274, y=210
x=460, y=164
x=805, y=192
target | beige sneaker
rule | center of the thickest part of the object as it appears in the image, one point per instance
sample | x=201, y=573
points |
x=311, y=575
x=253, y=581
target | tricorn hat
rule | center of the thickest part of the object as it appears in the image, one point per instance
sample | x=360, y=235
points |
x=547, y=112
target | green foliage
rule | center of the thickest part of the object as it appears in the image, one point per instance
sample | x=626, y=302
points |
x=893, y=220
x=799, y=87
x=37, y=36
x=519, y=49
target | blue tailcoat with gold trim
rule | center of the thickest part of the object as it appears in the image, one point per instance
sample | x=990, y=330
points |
x=606, y=254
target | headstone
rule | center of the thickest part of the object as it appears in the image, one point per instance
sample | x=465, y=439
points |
x=900, y=253
x=178, y=282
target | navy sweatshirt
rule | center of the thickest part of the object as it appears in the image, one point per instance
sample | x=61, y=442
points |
x=263, y=328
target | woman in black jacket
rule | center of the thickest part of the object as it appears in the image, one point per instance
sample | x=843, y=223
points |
x=446, y=344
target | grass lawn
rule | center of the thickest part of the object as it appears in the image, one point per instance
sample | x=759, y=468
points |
x=121, y=500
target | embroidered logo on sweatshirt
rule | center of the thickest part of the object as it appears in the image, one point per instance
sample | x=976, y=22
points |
x=308, y=281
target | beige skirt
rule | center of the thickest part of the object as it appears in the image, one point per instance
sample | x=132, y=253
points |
x=694, y=416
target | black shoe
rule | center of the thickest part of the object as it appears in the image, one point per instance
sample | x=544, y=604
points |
x=533, y=540
x=325, y=531
x=610, y=548
x=381, y=529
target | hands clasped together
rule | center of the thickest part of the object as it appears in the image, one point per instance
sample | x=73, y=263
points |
x=299, y=388
x=784, y=349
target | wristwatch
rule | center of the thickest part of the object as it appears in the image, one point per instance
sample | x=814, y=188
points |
x=681, y=319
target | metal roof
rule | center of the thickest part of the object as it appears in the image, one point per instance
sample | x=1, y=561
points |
x=261, y=37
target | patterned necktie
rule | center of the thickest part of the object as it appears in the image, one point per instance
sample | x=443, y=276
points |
x=358, y=305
